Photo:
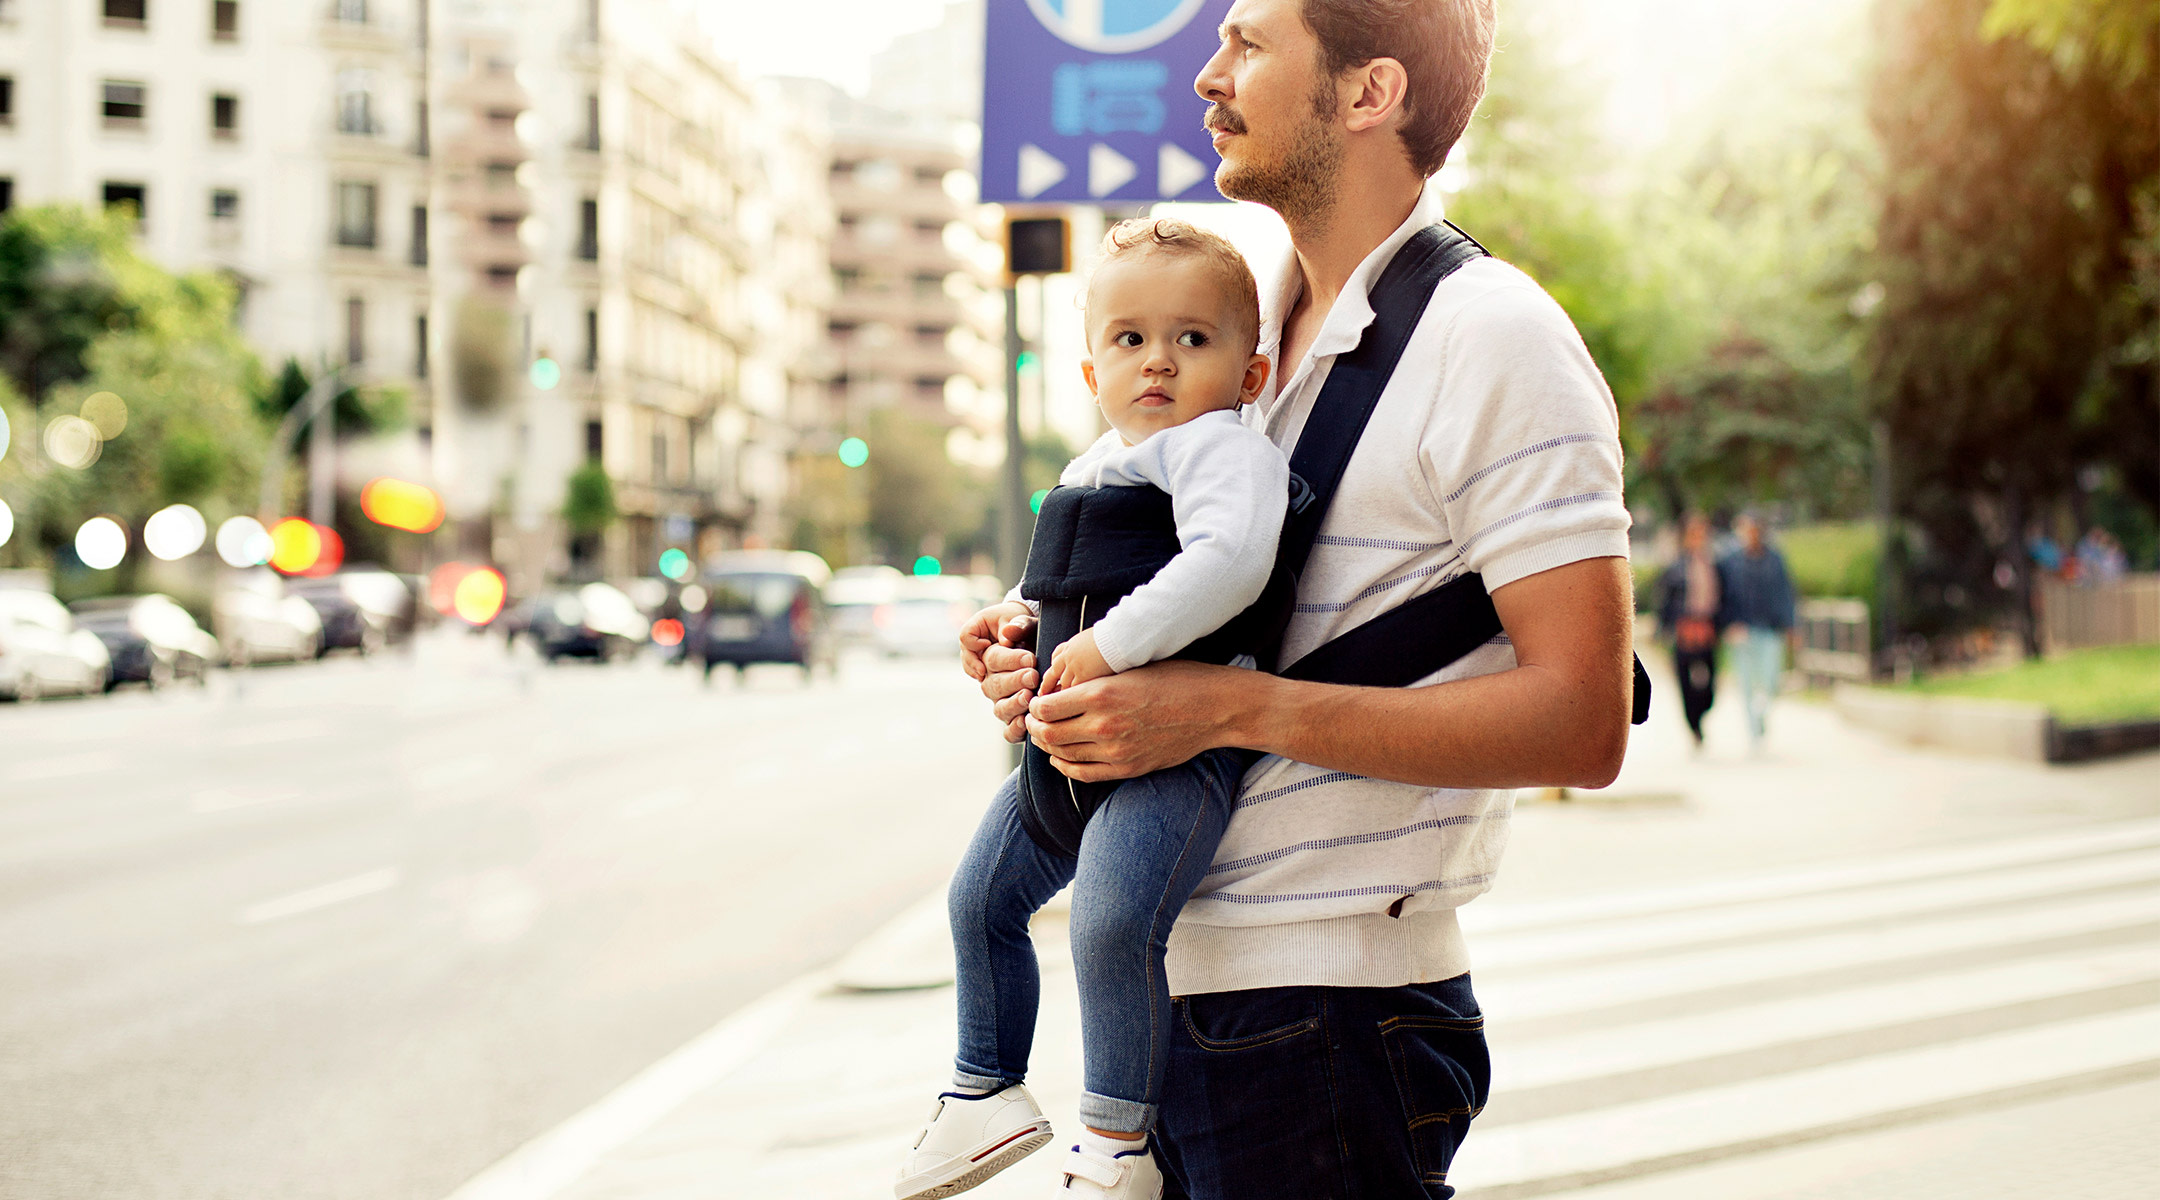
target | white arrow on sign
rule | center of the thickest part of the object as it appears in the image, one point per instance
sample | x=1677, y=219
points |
x=1108, y=170
x=1039, y=170
x=1176, y=170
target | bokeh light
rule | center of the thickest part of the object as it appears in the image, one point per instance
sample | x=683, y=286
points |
x=693, y=597
x=4, y=433
x=101, y=543
x=675, y=564
x=107, y=412
x=929, y=565
x=73, y=442
x=546, y=373
x=667, y=632
x=1035, y=502
x=332, y=556
x=174, y=532
x=399, y=504
x=854, y=452
x=442, y=586
x=7, y=523
x=478, y=597
x=243, y=542
x=295, y=545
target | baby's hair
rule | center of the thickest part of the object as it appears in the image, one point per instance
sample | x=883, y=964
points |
x=1143, y=235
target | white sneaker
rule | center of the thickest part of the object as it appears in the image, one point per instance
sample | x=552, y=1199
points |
x=970, y=1139
x=1132, y=1175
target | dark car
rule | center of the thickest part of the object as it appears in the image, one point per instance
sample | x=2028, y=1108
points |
x=593, y=620
x=765, y=607
x=151, y=639
x=345, y=624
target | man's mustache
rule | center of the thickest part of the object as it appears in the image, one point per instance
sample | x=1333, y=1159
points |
x=1223, y=119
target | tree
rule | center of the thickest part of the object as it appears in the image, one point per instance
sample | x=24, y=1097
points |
x=2006, y=354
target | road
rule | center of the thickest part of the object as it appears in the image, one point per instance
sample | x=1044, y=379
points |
x=358, y=929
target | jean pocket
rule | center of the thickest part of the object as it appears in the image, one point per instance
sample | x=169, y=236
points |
x=1228, y=1021
x=1442, y=1072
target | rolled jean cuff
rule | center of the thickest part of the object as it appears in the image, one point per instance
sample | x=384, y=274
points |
x=1112, y=1115
x=964, y=1078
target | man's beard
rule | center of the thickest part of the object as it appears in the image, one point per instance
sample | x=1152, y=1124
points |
x=1300, y=185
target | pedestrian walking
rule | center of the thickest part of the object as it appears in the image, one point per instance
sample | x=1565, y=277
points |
x=1325, y=1039
x=1758, y=594
x=1691, y=598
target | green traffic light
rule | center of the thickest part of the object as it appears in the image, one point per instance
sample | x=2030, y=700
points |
x=546, y=373
x=854, y=452
x=675, y=564
x=1028, y=360
x=1035, y=501
x=929, y=565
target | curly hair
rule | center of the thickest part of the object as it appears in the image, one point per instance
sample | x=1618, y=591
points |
x=1149, y=235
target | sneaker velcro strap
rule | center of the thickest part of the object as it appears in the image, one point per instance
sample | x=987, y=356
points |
x=1094, y=1170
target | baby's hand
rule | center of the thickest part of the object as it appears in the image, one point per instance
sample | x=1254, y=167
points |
x=1077, y=661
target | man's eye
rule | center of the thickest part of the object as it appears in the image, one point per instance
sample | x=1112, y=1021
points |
x=1127, y=339
x=1192, y=338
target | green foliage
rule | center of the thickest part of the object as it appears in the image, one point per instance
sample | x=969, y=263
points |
x=2118, y=38
x=916, y=495
x=2115, y=683
x=589, y=501
x=1833, y=558
x=356, y=411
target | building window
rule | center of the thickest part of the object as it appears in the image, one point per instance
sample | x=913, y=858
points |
x=659, y=458
x=592, y=341
x=421, y=146
x=502, y=276
x=224, y=20
x=588, y=246
x=356, y=214
x=224, y=205
x=592, y=121
x=591, y=22
x=420, y=347
x=132, y=196
x=593, y=440
x=7, y=99
x=224, y=117
x=355, y=330
x=419, y=235
x=352, y=12
x=127, y=14
x=126, y=103
x=356, y=103
x=7, y=193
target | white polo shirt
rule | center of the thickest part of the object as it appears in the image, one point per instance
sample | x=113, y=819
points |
x=1494, y=448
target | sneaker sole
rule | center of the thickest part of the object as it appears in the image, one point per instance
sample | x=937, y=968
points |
x=980, y=1173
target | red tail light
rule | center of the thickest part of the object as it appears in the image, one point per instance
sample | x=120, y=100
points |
x=799, y=615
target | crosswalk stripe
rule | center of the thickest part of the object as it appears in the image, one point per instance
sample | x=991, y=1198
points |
x=1604, y=1143
x=1534, y=947
x=1497, y=914
x=1590, y=988
x=1578, y=1057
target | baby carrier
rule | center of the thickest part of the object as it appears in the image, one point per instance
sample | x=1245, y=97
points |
x=1094, y=545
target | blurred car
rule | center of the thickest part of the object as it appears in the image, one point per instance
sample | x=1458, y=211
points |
x=592, y=620
x=985, y=590
x=852, y=599
x=152, y=640
x=345, y=625
x=257, y=620
x=926, y=616
x=42, y=652
x=766, y=607
x=391, y=604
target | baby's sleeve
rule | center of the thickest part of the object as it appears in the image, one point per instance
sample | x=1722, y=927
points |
x=1229, y=487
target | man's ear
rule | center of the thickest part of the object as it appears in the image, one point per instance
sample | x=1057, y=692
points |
x=1087, y=372
x=1256, y=373
x=1374, y=94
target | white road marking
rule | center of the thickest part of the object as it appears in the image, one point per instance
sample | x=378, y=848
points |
x=1575, y=1057
x=365, y=884
x=1490, y=916
x=1791, y=1105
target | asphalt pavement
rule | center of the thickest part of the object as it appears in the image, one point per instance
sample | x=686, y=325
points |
x=357, y=929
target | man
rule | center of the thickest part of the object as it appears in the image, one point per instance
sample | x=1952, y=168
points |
x=1329, y=1044
x=1759, y=603
x=1691, y=614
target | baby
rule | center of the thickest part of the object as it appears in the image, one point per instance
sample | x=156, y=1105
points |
x=1172, y=322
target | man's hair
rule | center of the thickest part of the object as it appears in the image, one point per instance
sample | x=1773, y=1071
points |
x=1143, y=235
x=1445, y=46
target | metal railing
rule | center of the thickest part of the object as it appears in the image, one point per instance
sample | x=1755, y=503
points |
x=1834, y=642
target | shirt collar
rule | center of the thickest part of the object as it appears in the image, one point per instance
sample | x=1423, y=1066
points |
x=1353, y=312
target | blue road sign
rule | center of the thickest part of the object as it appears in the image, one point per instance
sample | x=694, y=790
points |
x=1091, y=101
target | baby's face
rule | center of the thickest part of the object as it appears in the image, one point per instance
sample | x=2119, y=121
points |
x=1165, y=345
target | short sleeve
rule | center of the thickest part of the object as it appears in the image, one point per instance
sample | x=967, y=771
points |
x=1524, y=445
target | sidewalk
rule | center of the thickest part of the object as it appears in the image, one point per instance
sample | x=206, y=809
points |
x=811, y=1094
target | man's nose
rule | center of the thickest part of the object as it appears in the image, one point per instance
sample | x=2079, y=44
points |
x=1213, y=82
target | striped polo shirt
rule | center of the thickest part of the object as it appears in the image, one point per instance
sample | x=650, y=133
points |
x=1495, y=448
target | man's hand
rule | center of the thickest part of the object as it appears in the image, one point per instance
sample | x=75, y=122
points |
x=995, y=650
x=1142, y=720
x=1075, y=662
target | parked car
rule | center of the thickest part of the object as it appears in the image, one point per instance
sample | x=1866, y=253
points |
x=257, y=620
x=592, y=620
x=766, y=607
x=345, y=625
x=152, y=640
x=42, y=652
x=391, y=603
x=926, y=616
x=852, y=599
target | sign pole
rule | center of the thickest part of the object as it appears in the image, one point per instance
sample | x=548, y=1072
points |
x=1013, y=530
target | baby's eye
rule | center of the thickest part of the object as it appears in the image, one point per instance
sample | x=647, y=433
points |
x=1127, y=339
x=1192, y=338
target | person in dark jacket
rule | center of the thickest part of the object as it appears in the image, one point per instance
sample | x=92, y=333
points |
x=1690, y=617
x=1759, y=600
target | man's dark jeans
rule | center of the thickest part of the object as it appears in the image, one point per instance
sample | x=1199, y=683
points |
x=1319, y=1093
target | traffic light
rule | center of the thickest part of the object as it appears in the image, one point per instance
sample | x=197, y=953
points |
x=1037, y=246
x=854, y=452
